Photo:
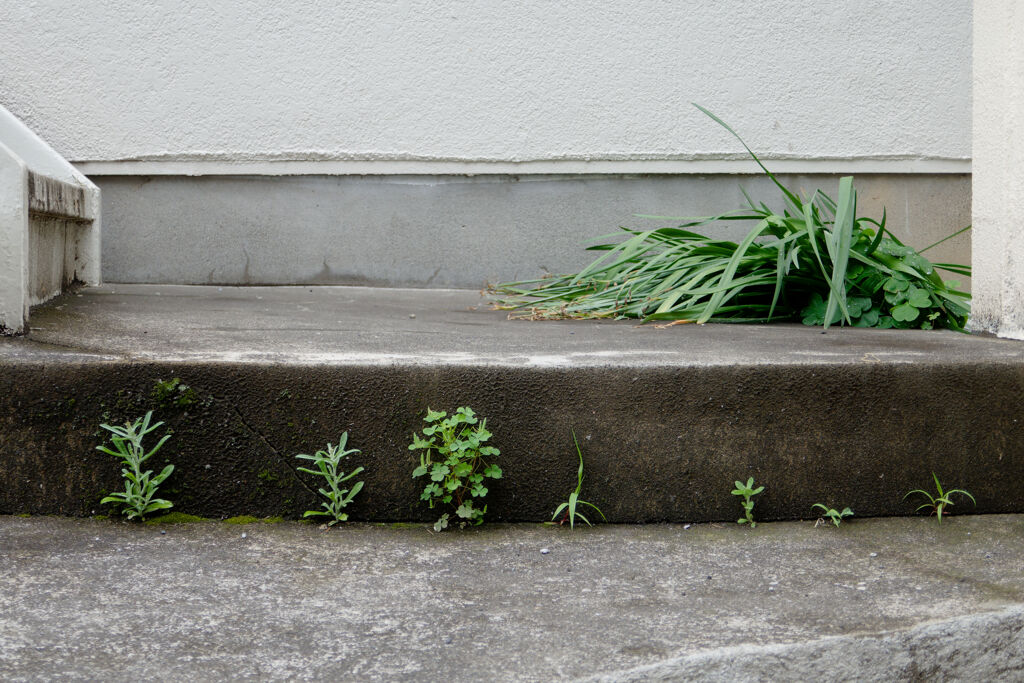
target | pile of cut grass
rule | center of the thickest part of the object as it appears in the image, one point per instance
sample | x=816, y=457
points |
x=817, y=262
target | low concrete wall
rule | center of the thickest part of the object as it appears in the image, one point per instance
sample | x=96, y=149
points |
x=448, y=231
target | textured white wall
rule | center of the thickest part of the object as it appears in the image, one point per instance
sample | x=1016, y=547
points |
x=454, y=80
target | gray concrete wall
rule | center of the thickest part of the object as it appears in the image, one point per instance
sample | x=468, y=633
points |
x=447, y=231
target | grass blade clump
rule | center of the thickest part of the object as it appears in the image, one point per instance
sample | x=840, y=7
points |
x=817, y=262
x=570, y=510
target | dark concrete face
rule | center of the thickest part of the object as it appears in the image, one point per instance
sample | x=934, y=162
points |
x=658, y=444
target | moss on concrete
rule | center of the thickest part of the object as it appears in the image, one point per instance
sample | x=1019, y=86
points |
x=249, y=519
x=176, y=518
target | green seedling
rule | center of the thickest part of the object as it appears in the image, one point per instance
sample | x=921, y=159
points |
x=570, y=506
x=748, y=492
x=452, y=458
x=327, y=463
x=834, y=515
x=938, y=503
x=137, y=499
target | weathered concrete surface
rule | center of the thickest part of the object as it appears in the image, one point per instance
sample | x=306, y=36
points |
x=667, y=418
x=452, y=231
x=896, y=599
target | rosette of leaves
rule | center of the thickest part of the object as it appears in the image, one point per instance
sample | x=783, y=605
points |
x=452, y=458
x=817, y=262
x=327, y=463
x=137, y=499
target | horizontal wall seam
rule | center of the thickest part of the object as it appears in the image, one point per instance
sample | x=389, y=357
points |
x=283, y=167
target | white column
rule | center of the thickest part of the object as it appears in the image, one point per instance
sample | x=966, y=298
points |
x=998, y=168
x=13, y=243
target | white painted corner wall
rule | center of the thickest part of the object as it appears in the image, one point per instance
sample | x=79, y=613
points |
x=441, y=86
x=49, y=224
x=998, y=173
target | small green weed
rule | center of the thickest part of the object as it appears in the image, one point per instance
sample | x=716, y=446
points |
x=748, y=492
x=327, y=467
x=938, y=503
x=139, y=488
x=833, y=515
x=173, y=392
x=457, y=472
x=569, y=507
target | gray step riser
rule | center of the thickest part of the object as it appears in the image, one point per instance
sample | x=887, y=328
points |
x=659, y=443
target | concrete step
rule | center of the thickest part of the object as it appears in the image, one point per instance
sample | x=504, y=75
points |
x=667, y=418
x=874, y=600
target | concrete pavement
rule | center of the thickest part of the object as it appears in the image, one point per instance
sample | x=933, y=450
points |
x=877, y=599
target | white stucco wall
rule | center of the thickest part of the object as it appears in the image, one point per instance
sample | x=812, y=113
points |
x=444, y=82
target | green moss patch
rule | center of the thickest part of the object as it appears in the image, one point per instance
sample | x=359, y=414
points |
x=176, y=518
x=242, y=519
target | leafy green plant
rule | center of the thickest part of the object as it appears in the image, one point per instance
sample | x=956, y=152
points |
x=139, y=487
x=173, y=392
x=747, y=491
x=452, y=458
x=570, y=506
x=938, y=503
x=835, y=516
x=817, y=262
x=327, y=463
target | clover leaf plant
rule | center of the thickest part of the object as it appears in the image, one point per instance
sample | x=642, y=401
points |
x=452, y=458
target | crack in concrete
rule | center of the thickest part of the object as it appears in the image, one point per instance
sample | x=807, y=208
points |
x=259, y=435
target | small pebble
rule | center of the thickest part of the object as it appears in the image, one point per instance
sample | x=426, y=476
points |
x=163, y=533
x=874, y=554
x=244, y=535
x=687, y=526
x=448, y=640
x=544, y=551
x=412, y=315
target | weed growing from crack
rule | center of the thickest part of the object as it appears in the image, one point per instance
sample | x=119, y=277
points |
x=327, y=463
x=452, y=457
x=834, y=516
x=748, y=492
x=570, y=506
x=139, y=487
x=938, y=503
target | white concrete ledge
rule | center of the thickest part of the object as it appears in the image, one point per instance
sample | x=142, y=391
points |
x=310, y=164
x=49, y=224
